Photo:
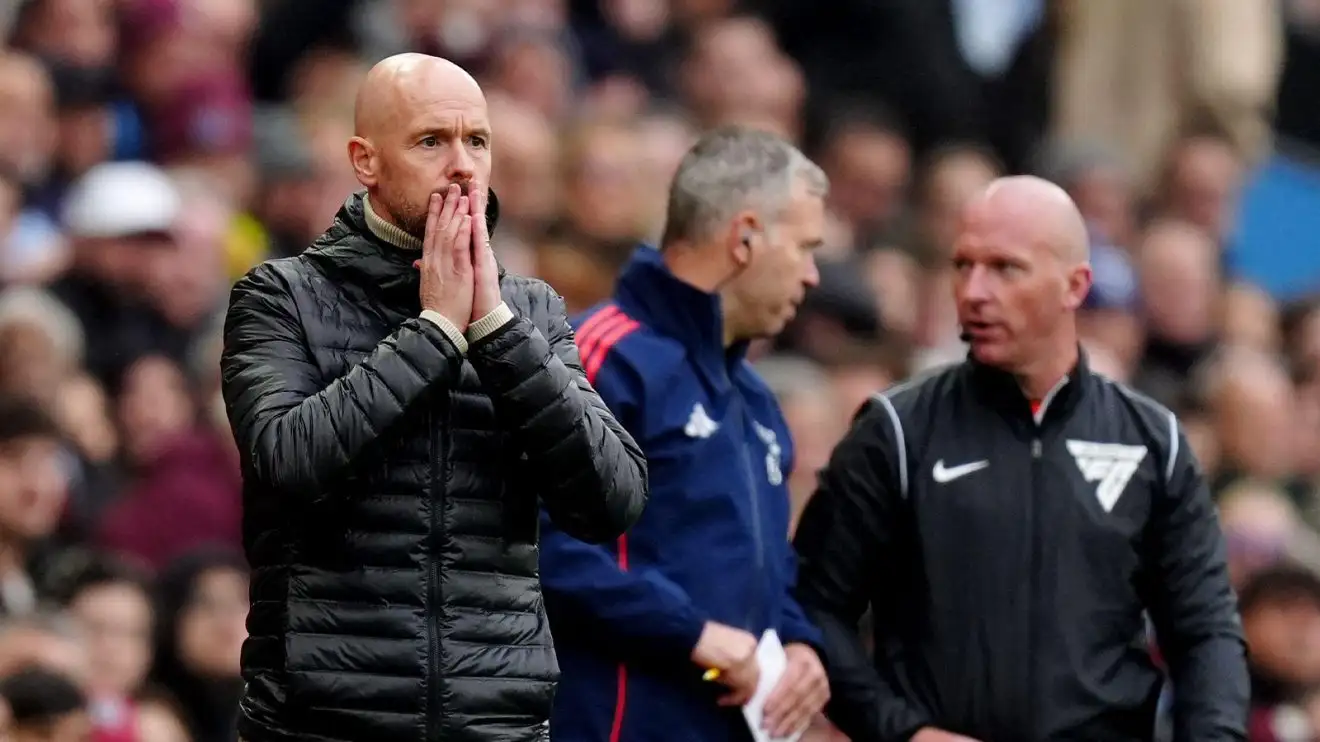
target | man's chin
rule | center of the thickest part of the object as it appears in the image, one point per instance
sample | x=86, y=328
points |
x=989, y=353
x=774, y=328
x=413, y=225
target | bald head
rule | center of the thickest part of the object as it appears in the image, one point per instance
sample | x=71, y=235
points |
x=422, y=125
x=396, y=85
x=1042, y=210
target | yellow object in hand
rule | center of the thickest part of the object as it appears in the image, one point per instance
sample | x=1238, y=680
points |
x=711, y=674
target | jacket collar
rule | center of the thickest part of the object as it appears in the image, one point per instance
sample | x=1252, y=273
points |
x=387, y=231
x=375, y=257
x=1000, y=389
x=650, y=293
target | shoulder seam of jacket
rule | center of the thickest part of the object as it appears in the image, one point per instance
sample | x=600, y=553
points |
x=599, y=333
x=900, y=442
x=1139, y=398
x=1173, y=447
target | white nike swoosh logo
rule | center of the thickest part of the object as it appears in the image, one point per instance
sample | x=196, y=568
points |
x=944, y=475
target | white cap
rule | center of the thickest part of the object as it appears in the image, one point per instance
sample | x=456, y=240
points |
x=118, y=199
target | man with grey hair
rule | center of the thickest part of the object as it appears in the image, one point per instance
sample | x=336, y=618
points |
x=656, y=634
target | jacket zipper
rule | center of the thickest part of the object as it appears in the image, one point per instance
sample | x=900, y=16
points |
x=434, y=596
x=1034, y=579
x=750, y=483
x=1037, y=451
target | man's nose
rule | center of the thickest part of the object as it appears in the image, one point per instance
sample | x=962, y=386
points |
x=811, y=276
x=975, y=285
x=461, y=167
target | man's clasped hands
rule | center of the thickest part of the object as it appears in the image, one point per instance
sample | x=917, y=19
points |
x=459, y=275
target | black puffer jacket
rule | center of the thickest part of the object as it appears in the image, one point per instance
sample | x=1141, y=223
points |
x=390, y=497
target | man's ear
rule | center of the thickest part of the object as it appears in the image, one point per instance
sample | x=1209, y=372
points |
x=742, y=237
x=362, y=156
x=1079, y=285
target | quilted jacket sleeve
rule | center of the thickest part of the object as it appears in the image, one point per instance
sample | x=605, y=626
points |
x=294, y=432
x=591, y=471
x=845, y=541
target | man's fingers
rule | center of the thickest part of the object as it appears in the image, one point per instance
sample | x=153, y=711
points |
x=450, y=206
x=456, y=216
x=741, y=681
x=736, y=698
x=797, y=712
x=433, y=224
x=781, y=697
x=797, y=718
x=801, y=693
x=784, y=702
x=479, y=206
x=479, y=236
x=462, y=244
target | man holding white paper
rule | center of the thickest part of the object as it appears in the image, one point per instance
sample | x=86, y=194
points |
x=657, y=634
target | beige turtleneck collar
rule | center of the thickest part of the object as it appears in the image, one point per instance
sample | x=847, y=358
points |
x=494, y=320
x=386, y=231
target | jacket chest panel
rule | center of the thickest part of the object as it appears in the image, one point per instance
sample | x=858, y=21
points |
x=1076, y=492
x=738, y=450
x=454, y=435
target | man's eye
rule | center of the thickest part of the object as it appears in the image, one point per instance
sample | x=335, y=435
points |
x=477, y=141
x=430, y=142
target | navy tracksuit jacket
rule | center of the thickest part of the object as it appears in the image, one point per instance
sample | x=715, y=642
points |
x=712, y=544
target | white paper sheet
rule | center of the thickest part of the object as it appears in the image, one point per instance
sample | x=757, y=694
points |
x=772, y=661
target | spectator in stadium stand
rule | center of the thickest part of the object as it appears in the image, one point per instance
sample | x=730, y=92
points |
x=109, y=602
x=33, y=493
x=1280, y=617
x=1011, y=519
x=692, y=587
x=401, y=404
x=201, y=601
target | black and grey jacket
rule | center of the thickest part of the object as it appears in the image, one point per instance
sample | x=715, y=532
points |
x=1009, y=559
x=391, y=488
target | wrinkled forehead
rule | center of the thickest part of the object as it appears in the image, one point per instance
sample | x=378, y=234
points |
x=442, y=115
x=438, y=99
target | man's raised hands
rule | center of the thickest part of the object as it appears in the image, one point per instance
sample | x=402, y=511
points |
x=447, y=280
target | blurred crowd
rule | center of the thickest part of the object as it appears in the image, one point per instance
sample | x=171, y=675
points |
x=151, y=151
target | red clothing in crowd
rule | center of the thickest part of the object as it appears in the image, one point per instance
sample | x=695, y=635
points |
x=190, y=495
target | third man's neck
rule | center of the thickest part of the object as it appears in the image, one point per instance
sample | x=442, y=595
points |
x=1038, y=382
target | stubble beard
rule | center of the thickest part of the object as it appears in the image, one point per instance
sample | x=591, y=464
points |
x=411, y=219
